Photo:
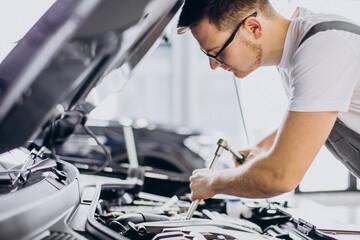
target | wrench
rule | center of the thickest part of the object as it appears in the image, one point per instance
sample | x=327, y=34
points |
x=222, y=144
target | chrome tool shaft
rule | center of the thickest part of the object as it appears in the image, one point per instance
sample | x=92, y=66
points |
x=222, y=144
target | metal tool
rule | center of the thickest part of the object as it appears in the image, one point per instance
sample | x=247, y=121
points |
x=222, y=144
x=240, y=158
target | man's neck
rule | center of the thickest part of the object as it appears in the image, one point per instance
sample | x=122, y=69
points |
x=274, y=40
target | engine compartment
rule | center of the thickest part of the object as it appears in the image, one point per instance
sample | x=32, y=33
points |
x=139, y=215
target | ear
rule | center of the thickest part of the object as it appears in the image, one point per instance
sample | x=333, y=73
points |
x=253, y=27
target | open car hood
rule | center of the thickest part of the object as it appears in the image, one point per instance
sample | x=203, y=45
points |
x=72, y=47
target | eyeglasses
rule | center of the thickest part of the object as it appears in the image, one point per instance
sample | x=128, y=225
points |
x=215, y=57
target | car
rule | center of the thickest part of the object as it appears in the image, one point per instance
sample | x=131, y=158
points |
x=65, y=176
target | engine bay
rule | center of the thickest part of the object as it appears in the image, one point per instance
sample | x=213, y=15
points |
x=139, y=215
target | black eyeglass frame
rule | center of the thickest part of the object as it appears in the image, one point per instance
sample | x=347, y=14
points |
x=231, y=38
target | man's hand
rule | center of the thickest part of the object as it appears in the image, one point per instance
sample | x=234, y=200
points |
x=262, y=147
x=248, y=153
x=200, y=184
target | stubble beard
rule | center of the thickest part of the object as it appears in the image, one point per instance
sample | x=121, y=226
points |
x=258, y=52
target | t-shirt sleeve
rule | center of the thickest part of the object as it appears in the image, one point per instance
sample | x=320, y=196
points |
x=324, y=74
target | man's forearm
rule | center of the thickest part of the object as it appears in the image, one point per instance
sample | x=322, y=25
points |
x=253, y=180
x=277, y=170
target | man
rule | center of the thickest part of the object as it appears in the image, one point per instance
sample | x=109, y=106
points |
x=321, y=76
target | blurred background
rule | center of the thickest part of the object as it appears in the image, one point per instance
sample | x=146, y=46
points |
x=174, y=85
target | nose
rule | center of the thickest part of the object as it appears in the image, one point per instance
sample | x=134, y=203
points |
x=214, y=64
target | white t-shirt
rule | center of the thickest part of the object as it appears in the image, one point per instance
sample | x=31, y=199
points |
x=323, y=74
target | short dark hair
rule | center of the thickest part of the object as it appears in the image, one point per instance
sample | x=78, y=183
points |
x=224, y=14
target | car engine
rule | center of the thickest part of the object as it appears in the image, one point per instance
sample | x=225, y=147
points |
x=146, y=216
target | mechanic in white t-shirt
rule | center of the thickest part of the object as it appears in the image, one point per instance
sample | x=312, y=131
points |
x=318, y=58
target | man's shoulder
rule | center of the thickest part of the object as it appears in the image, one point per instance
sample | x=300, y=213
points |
x=319, y=37
x=323, y=42
x=303, y=19
x=324, y=51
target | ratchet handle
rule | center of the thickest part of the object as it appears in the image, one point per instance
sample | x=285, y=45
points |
x=192, y=209
x=194, y=204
